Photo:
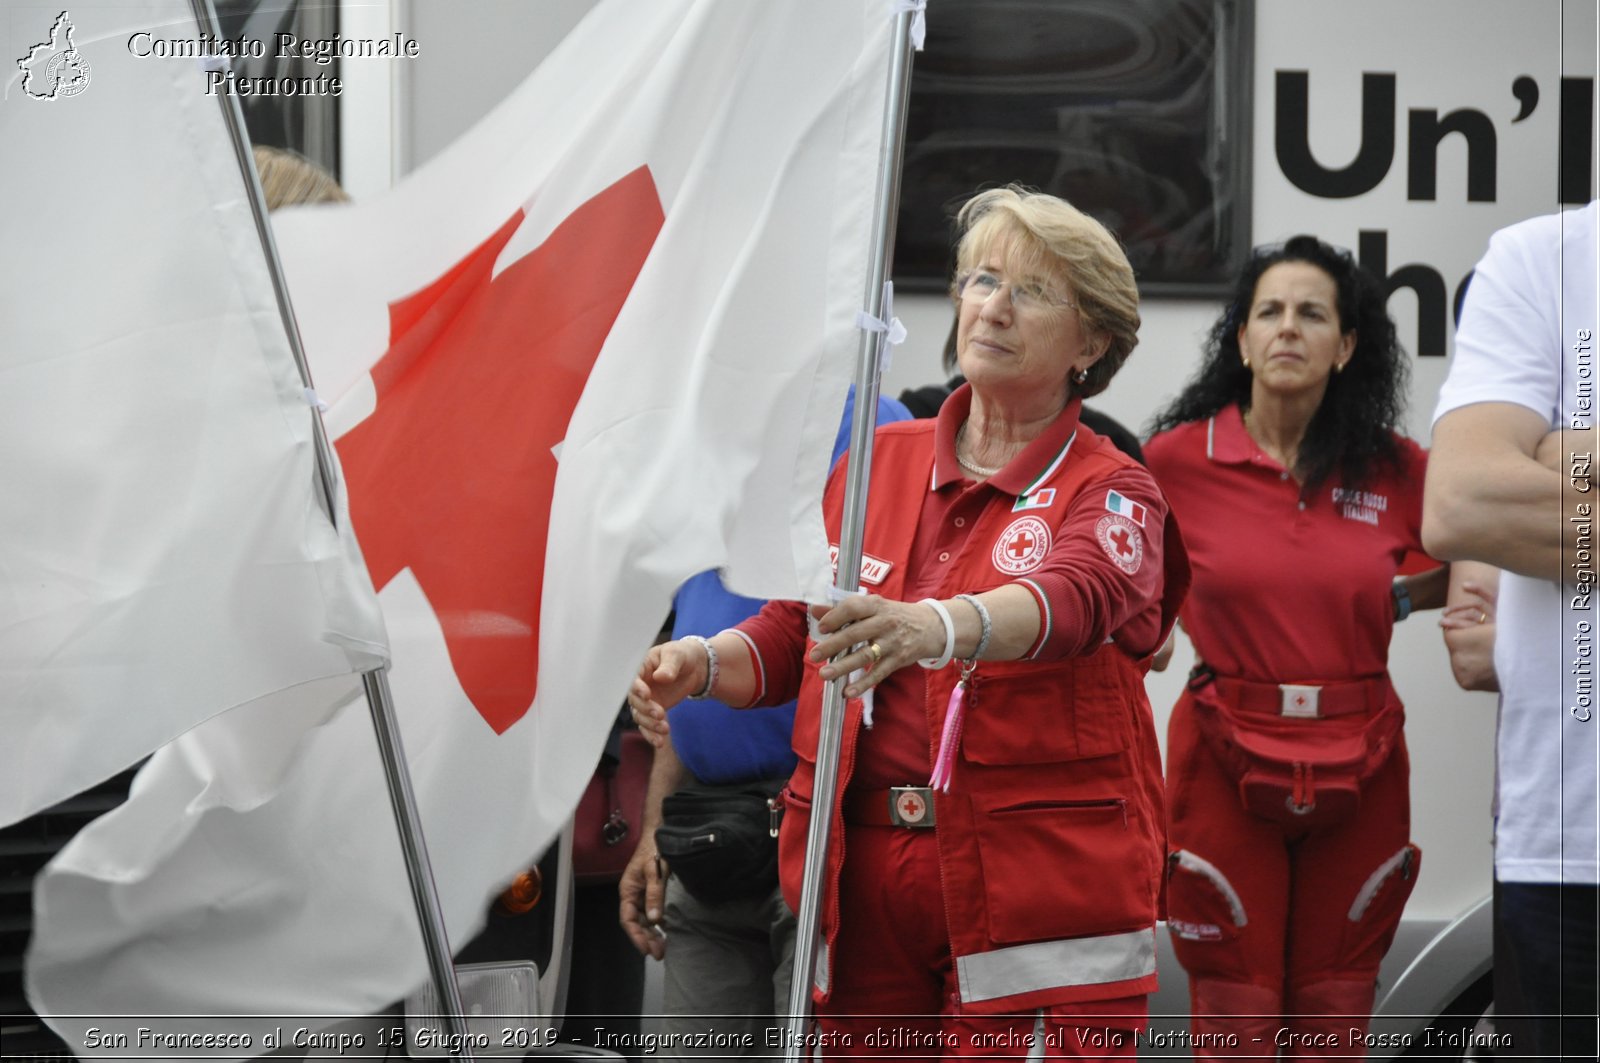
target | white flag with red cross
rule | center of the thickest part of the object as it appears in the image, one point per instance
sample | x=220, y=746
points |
x=165, y=549
x=648, y=261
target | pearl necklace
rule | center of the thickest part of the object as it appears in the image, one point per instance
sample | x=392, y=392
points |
x=976, y=470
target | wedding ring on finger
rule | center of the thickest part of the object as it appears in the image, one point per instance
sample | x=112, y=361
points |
x=875, y=651
x=1483, y=617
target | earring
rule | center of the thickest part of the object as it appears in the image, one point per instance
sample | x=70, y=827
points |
x=1244, y=359
x=1339, y=367
x=1081, y=376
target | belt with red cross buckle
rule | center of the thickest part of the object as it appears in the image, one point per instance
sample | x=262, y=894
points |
x=910, y=807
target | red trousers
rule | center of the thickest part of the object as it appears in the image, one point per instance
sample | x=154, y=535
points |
x=1280, y=929
x=894, y=982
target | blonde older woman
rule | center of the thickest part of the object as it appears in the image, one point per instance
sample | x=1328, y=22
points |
x=1031, y=571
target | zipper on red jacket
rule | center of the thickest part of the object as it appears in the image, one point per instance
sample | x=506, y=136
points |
x=847, y=746
x=944, y=891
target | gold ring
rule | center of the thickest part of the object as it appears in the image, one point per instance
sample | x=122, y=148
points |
x=875, y=651
x=1482, y=616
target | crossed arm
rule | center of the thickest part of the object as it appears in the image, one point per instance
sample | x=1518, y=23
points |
x=1503, y=489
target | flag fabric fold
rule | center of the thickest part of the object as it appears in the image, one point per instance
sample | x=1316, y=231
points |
x=165, y=552
x=649, y=261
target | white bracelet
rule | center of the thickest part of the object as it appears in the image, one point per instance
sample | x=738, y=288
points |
x=949, y=635
x=711, y=667
x=983, y=618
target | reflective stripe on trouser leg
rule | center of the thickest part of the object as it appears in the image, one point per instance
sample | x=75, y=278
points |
x=1056, y=964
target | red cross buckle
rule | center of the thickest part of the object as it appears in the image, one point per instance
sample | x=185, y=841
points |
x=911, y=806
x=1298, y=701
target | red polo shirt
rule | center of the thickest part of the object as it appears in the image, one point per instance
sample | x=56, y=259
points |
x=1285, y=589
x=1084, y=596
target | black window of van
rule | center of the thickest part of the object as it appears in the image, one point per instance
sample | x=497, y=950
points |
x=305, y=123
x=1137, y=111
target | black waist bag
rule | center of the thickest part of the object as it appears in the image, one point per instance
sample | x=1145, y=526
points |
x=721, y=841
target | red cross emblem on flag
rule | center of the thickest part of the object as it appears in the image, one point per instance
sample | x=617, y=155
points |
x=1022, y=546
x=452, y=475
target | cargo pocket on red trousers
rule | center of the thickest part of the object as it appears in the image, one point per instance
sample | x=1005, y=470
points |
x=1203, y=909
x=1055, y=869
x=1374, y=914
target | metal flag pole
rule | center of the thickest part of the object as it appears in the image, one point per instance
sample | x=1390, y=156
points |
x=858, y=474
x=375, y=683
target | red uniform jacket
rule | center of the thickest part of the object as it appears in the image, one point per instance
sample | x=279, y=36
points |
x=1052, y=836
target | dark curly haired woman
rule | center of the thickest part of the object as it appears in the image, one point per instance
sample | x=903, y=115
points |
x=1287, y=777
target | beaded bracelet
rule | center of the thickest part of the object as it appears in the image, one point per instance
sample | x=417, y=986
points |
x=932, y=663
x=983, y=617
x=711, y=667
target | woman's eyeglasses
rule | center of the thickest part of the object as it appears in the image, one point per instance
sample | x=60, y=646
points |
x=1026, y=296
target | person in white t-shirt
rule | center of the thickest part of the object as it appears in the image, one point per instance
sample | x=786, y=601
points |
x=1510, y=483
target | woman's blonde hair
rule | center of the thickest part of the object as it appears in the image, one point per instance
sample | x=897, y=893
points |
x=1051, y=236
x=288, y=178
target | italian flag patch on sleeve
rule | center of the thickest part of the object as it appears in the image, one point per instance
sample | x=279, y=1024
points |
x=1125, y=507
